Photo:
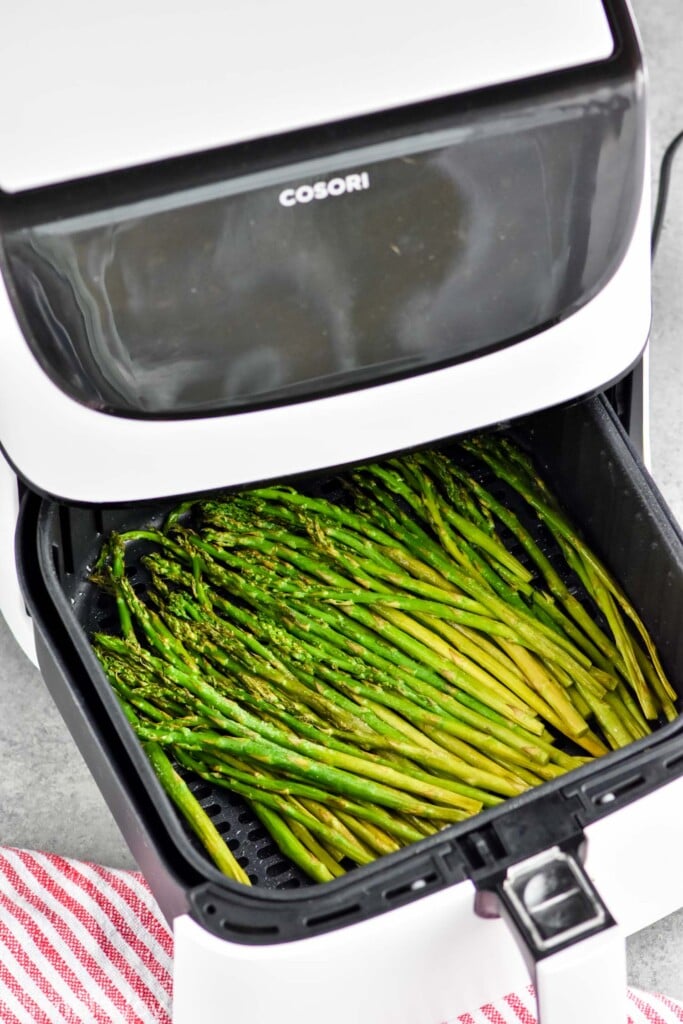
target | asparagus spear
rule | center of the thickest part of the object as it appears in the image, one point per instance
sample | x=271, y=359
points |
x=369, y=673
x=200, y=822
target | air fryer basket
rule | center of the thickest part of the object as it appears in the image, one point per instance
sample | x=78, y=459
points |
x=586, y=457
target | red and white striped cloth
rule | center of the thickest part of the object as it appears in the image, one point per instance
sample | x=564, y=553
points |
x=520, y=1008
x=83, y=944
x=80, y=944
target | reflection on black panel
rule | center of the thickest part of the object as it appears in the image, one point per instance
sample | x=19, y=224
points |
x=205, y=302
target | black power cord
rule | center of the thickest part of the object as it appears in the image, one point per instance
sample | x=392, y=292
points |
x=663, y=190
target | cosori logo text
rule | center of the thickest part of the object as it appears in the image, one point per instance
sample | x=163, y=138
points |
x=325, y=189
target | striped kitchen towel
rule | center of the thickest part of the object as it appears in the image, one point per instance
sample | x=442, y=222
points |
x=82, y=944
x=520, y=1008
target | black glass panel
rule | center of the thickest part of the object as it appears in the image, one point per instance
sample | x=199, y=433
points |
x=251, y=292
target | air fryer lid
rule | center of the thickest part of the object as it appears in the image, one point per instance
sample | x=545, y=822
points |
x=402, y=243
x=168, y=79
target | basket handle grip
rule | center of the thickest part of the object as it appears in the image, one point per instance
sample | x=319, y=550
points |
x=573, y=948
x=586, y=982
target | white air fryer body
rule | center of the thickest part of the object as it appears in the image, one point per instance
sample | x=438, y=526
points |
x=292, y=70
x=435, y=959
x=164, y=83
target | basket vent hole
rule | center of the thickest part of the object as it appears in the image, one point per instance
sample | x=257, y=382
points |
x=243, y=861
x=210, y=909
x=289, y=883
x=410, y=887
x=223, y=827
x=256, y=834
x=266, y=851
x=249, y=929
x=212, y=810
x=332, y=915
x=233, y=844
x=673, y=763
x=201, y=791
x=245, y=817
x=279, y=868
x=618, y=790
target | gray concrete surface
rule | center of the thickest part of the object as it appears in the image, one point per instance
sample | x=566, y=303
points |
x=47, y=798
x=655, y=955
x=661, y=25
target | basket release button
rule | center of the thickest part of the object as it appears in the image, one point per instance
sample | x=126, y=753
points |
x=552, y=900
